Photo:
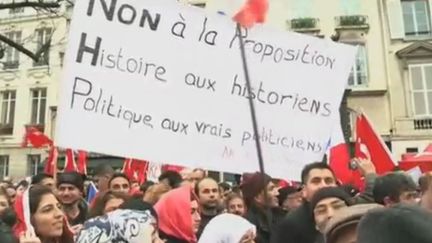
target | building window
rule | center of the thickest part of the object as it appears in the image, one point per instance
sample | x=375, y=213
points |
x=33, y=161
x=412, y=150
x=421, y=88
x=12, y=54
x=7, y=112
x=416, y=16
x=38, y=103
x=359, y=73
x=4, y=166
x=43, y=36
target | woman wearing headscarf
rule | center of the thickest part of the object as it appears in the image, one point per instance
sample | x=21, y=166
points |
x=178, y=215
x=228, y=228
x=40, y=217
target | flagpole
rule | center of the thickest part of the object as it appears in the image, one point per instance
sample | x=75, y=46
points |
x=251, y=102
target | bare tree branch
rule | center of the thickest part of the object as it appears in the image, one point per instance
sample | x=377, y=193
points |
x=38, y=4
x=35, y=56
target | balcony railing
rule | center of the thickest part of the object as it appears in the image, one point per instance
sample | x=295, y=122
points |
x=413, y=126
x=423, y=124
x=304, y=24
x=11, y=65
x=352, y=22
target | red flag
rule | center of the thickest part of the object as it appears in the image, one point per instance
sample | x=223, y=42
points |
x=127, y=168
x=82, y=162
x=254, y=11
x=176, y=168
x=339, y=159
x=51, y=162
x=70, y=165
x=36, y=138
x=423, y=160
x=140, y=167
x=369, y=145
x=338, y=156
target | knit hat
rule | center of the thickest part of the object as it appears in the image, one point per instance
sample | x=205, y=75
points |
x=346, y=217
x=253, y=184
x=329, y=192
x=72, y=178
x=398, y=224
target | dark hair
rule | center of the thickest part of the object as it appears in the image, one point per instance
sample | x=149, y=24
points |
x=103, y=170
x=35, y=196
x=138, y=204
x=392, y=185
x=309, y=167
x=118, y=175
x=36, y=179
x=225, y=186
x=196, y=189
x=101, y=201
x=231, y=196
x=424, y=182
x=236, y=189
x=23, y=183
x=173, y=177
x=144, y=187
x=201, y=170
x=398, y=224
x=36, y=193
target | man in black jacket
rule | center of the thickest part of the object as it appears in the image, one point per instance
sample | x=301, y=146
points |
x=260, y=195
x=299, y=226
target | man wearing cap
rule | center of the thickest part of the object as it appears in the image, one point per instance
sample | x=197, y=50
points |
x=290, y=198
x=70, y=187
x=326, y=203
x=260, y=195
x=342, y=228
x=299, y=225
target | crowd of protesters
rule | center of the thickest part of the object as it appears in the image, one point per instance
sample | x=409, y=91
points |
x=190, y=207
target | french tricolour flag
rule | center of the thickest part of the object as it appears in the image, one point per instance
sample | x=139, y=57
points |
x=92, y=191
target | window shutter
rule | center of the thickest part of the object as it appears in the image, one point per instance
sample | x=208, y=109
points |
x=395, y=19
x=430, y=14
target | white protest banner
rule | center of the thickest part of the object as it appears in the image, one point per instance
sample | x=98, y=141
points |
x=161, y=81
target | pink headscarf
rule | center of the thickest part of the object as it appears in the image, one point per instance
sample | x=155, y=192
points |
x=174, y=214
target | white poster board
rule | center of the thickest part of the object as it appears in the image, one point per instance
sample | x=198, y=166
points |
x=161, y=81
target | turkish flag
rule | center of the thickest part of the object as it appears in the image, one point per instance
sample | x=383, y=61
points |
x=51, y=162
x=70, y=164
x=36, y=138
x=422, y=160
x=369, y=145
x=339, y=158
x=82, y=162
x=127, y=168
